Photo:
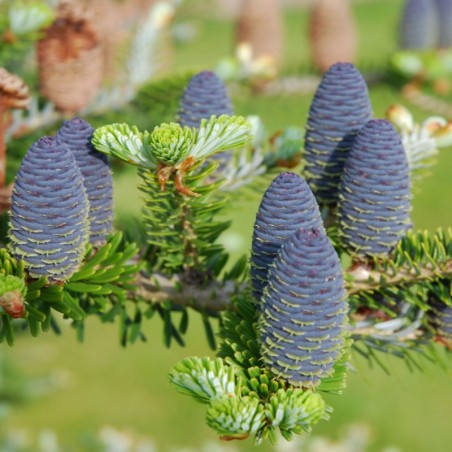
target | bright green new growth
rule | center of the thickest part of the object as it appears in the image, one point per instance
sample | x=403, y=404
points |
x=12, y=296
x=218, y=134
x=295, y=411
x=236, y=418
x=203, y=378
x=170, y=143
x=125, y=143
x=9, y=283
x=245, y=398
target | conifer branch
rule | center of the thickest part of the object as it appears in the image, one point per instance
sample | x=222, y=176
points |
x=368, y=280
x=214, y=296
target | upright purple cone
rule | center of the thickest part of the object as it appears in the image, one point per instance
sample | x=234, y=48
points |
x=302, y=327
x=287, y=205
x=419, y=25
x=445, y=22
x=340, y=108
x=204, y=96
x=49, y=212
x=375, y=197
x=95, y=169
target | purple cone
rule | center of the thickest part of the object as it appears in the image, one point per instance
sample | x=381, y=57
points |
x=287, y=205
x=419, y=25
x=375, y=197
x=302, y=326
x=340, y=108
x=95, y=169
x=49, y=212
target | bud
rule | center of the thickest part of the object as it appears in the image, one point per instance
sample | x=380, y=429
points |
x=170, y=143
x=236, y=418
x=400, y=117
x=443, y=135
x=12, y=295
x=295, y=409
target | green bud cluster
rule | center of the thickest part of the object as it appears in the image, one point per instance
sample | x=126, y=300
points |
x=259, y=382
x=8, y=283
x=203, y=378
x=171, y=143
x=236, y=418
x=12, y=295
x=295, y=410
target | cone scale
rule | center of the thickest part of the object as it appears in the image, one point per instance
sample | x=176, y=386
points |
x=97, y=177
x=374, y=197
x=340, y=108
x=304, y=313
x=287, y=205
x=49, y=212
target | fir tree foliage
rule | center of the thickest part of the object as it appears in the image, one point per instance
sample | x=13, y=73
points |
x=161, y=97
x=420, y=141
x=236, y=418
x=204, y=379
x=182, y=230
x=272, y=347
x=287, y=330
x=131, y=145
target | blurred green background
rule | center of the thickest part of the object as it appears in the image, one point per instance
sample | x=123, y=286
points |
x=76, y=389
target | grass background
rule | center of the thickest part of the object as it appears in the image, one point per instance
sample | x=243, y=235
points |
x=98, y=383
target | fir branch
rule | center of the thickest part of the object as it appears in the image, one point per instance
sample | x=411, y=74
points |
x=369, y=280
x=418, y=257
x=214, y=296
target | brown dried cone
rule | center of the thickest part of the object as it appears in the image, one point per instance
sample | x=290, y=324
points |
x=114, y=21
x=260, y=25
x=70, y=59
x=112, y=26
x=13, y=94
x=332, y=33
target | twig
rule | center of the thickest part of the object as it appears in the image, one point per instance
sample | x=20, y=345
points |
x=214, y=296
x=364, y=279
